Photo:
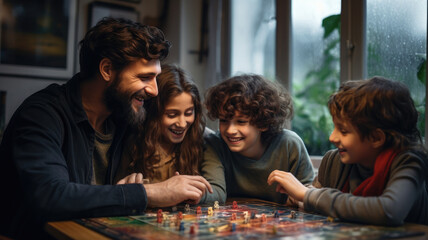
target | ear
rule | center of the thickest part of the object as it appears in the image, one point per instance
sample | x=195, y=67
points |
x=378, y=138
x=106, y=69
x=263, y=129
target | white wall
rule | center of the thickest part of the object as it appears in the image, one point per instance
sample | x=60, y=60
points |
x=190, y=40
x=18, y=89
x=183, y=30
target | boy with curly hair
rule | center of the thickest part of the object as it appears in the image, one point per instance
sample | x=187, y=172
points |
x=251, y=141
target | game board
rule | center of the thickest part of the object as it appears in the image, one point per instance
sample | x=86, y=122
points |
x=246, y=220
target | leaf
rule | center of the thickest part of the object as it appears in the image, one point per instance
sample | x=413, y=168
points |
x=331, y=23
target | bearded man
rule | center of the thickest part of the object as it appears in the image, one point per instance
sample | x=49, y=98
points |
x=62, y=146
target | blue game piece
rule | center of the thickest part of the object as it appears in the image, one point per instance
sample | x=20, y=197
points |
x=181, y=228
x=233, y=227
x=253, y=215
x=276, y=214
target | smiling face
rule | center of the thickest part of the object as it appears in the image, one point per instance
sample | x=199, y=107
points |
x=135, y=83
x=352, y=149
x=241, y=136
x=177, y=118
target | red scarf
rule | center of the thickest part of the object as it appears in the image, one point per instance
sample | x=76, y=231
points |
x=375, y=184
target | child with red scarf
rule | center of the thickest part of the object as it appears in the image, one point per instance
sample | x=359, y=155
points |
x=378, y=173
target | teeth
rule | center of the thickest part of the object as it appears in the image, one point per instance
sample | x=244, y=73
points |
x=177, y=132
x=234, y=139
x=139, y=98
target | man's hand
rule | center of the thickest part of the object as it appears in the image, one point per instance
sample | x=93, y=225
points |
x=132, y=178
x=177, y=189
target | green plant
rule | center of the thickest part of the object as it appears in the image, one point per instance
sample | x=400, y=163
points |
x=312, y=119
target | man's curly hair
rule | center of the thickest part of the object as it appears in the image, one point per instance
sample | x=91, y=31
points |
x=267, y=104
x=122, y=41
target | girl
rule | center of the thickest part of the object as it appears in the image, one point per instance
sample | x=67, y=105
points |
x=252, y=141
x=377, y=174
x=170, y=141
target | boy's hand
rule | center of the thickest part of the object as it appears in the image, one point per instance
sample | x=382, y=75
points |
x=287, y=184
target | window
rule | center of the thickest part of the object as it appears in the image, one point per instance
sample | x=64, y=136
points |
x=315, y=69
x=396, y=45
x=253, y=29
x=376, y=37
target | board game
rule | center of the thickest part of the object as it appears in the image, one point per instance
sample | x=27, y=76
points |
x=240, y=220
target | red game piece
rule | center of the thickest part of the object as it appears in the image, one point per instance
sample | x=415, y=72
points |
x=159, y=216
x=234, y=205
x=198, y=210
x=180, y=215
x=194, y=229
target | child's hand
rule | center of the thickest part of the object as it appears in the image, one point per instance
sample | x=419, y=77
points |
x=287, y=184
x=132, y=178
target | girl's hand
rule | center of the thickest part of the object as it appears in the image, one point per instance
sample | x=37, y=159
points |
x=132, y=178
x=287, y=184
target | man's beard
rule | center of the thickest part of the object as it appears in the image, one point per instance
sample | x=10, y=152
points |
x=120, y=104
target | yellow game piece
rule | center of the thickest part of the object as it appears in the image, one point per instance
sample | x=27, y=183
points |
x=274, y=230
x=210, y=211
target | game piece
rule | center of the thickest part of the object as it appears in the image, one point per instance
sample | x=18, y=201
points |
x=178, y=218
x=216, y=205
x=159, y=216
x=165, y=216
x=276, y=214
x=171, y=224
x=194, y=228
x=222, y=228
x=293, y=214
x=274, y=230
x=181, y=228
x=174, y=208
x=234, y=205
x=198, y=210
x=246, y=217
x=210, y=211
x=330, y=219
x=187, y=207
x=253, y=215
x=233, y=217
x=233, y=227
x=263, y=217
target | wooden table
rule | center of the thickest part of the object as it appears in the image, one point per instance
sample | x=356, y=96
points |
x=72, y=230
x=65, y=230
